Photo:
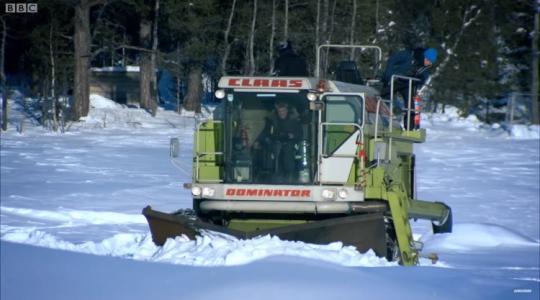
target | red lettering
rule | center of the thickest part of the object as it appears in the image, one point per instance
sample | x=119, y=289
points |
x=233, y=82
x=279, y=83
x=265, y=83
x=295, y=83
x=261, y=83
x=278, y=193
x=246, y=82
x=267, y=193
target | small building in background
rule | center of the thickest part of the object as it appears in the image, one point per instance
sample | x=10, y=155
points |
x=120, y=84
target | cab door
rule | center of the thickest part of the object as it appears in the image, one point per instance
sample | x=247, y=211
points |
x=340, y=133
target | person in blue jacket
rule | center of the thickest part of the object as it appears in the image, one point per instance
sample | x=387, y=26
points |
x=412, y=63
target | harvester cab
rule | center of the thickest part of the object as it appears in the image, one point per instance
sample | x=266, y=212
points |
x=306, y=158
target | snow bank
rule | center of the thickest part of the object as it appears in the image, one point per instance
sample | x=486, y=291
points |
x=219, y=249
x=470, y=236
x=100, y=102
x=524, y=132
x=106, y=114
x=452, y=117
x=117, y=69
x=209, y=249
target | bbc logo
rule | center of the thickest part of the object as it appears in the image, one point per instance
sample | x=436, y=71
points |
x=21, y=8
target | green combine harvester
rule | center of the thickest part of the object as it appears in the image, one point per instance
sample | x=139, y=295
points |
x=351, y=176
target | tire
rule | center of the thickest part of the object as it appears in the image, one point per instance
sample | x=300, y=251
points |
x=392, y=247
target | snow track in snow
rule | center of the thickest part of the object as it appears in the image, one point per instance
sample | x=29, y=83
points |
x=68, y=217
x=209, y=249
x=473, y=236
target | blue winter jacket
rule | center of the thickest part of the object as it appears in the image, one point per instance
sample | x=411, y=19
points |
x=407, y=63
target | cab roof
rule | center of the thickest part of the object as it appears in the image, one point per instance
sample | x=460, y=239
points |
x=290, y=84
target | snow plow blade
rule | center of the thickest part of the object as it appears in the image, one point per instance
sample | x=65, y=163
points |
x=366, y=231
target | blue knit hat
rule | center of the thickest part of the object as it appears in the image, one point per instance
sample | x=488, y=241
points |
x=431, y=55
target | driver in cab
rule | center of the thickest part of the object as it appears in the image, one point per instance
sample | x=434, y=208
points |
x=278, y=141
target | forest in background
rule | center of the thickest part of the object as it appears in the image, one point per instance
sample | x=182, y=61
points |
x=486, y=48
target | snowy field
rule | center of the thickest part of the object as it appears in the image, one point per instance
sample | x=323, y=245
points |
x=71, y=223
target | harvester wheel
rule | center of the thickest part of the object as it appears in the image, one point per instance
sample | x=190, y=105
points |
x=446, y=225
x=392, y=248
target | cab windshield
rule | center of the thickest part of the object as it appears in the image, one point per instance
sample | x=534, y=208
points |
x=269, y=138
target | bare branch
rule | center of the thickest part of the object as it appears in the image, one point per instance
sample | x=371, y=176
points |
x=67, y=37
x=98, y=20
x=467, y=21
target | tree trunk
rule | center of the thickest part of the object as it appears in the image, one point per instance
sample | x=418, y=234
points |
x=251, y=68
x=145, y=64
x=145, y=77
x=177, y=75
x=227, y=43
x=192, y=101
x=272, y=36
x=318, y=27
x=81, y=40
x=53, y=81
x=124, y=42
x=323, y=35
x=324, y=25
x=353, y=25
x=148, y=80
x=534, y=86
x=329, y=35
x=377, y=6
x=286, y=22
x=3, y=84
x=153, y=82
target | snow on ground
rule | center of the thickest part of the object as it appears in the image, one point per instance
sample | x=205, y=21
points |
x=116, y=69
x=83, y=191
x=79, y=276
x=519, y=131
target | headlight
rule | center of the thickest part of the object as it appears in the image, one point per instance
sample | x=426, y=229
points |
x=208, y=192
x=343, y=194
x=328, y=194
x=196, y=191
x=220, y=94
x=312, y=96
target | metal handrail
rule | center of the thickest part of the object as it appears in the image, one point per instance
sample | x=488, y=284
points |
x=318, y=58
x=199, y=154
x=410, y=80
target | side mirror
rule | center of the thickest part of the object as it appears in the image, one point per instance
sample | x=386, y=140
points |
x=174, y=148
